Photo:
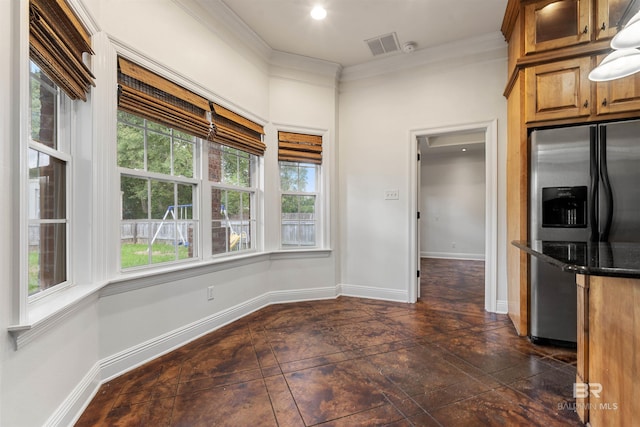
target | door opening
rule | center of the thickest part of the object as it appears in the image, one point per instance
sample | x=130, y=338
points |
x=456, y=199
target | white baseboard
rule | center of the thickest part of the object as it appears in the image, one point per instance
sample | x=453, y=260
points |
x=373, y=292
x=502, y=306
x=72, y=407
x=452, y=255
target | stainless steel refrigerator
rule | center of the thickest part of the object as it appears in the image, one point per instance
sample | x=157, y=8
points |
x=584, y=186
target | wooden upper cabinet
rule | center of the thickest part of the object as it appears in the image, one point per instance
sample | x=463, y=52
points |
x=558, y=90
x=612, y=15
x=553, y=24
x=618, y=96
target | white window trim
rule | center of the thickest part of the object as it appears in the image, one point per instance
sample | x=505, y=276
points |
x=323, y=200
x=256, y=203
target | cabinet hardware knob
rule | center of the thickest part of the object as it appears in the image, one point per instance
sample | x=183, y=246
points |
x=586, y=104
x=604, y=26
x=604, y=102
x=586, y=29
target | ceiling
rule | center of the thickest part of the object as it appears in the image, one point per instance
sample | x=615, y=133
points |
x=286, y=25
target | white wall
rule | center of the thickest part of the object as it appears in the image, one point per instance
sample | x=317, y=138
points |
x=132, y=320
x=452, y=210
x=376, y=117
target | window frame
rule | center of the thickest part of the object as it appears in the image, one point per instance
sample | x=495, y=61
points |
x=64, y=134
x=254, y=191
x=318, y=194
x=195, y=182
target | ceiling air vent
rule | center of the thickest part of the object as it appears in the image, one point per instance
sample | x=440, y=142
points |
x=383, y=44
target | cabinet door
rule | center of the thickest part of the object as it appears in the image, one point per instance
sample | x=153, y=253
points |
x=552, y=24
x=618, y=96
x=612, y=15
x=558, y=90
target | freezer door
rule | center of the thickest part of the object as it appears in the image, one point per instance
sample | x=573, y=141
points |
x=623, y=166
x=559, y=158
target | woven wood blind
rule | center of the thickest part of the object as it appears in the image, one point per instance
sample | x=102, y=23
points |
x=57, y=40
x=299, y=147
x=235, y=131
x=148, y=95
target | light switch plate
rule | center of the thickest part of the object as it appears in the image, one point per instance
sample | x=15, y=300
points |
x=391, y=195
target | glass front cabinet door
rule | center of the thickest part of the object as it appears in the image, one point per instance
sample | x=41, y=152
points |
x=612, y=15
x=554, y=24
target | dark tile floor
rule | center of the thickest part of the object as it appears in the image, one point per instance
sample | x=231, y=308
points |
x=354, y=362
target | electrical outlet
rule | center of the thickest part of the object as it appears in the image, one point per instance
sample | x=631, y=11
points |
x=391, y=195
x=210, y=294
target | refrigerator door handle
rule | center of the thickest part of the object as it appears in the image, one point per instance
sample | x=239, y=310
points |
x=606, y=186
x=593, y=190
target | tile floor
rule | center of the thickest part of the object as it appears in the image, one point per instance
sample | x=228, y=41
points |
x=354, y=362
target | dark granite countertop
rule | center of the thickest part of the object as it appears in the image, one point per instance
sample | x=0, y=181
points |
x=593, y=258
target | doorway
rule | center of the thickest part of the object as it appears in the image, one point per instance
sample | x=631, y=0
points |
x=478, y=139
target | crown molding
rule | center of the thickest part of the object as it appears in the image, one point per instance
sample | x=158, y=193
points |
x=217, y=16
x=288, y=61
x=458, y=49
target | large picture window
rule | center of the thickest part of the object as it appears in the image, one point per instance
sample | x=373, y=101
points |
x=232, y=175
x=158, y=187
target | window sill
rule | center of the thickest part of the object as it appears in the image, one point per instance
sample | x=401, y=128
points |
x=49, y=311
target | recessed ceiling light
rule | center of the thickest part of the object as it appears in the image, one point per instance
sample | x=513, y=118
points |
x=464, y=149
x=318, y=13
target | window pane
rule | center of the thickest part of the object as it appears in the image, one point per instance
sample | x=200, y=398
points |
x=185, y=202
x=47, y=186
x=130, y=118
x=307, y=178
x=130, y=146
x=158, y=153
x=135, y=197
x=163, y=246
x=47, y=256
x=134, y=243
x=157, y=127
x=289, y=176
x=162, y=198
x=183, y=158
x=231, y=220
x=43, y=107
x=230, y=166
x=298, y=220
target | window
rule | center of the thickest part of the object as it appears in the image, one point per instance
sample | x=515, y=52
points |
x=158, y=187
x=49, y=162
x=57, y=76
x=232, y=176
x=300, y=157
x=299, y=189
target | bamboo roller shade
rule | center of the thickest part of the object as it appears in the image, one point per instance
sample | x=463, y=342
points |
x=236, y=131
x=57, y=40
x=298, y=147
x=144, y=93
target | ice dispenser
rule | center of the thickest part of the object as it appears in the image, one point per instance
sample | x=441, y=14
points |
x=564, y=207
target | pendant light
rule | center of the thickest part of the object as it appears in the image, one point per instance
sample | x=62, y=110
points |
x=618, y=64
x=625, y=60
x=629, y=36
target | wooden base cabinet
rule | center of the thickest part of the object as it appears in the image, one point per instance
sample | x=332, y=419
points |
x=608, y=368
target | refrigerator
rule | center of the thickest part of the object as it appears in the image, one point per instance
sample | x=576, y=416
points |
x=584, y=186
